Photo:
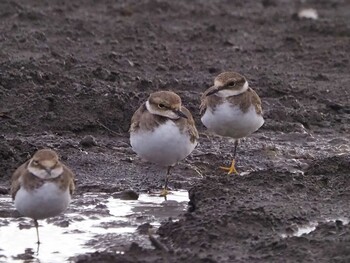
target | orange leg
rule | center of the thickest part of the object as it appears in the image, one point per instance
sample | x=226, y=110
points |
x=231, y=169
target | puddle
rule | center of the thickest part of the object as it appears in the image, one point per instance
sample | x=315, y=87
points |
x=307, y=229
x=93, y=222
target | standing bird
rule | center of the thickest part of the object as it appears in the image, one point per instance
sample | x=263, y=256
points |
x=231, y=109
x=163, y=131
x=42, y=187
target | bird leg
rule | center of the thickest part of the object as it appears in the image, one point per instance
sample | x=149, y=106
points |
x=37, y=230
x=232, y=168
x=165, y=191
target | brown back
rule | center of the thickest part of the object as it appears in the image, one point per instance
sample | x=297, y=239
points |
x=144, y=120
x=23, y=178
x=243, y=100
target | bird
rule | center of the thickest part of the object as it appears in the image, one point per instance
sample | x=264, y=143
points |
x=163, y=132
x=42, y=187
x=230, y=108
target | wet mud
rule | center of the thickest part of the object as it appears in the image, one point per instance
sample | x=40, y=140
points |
x=73, y=72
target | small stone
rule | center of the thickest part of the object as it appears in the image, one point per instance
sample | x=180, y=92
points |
x=211, y=28
x=88, y=141
x=321, y=77
x=161, y=67
x=229, y=42
x=126, y=195
x=101, y=73
x=4, y=191
x=339, y=223
x=143, y=229
x=39, y=35
x=212, y=70
x=113, y=55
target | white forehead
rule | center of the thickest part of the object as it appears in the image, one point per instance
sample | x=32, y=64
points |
x=218, y=83
x=232, y=92
x=48, y=163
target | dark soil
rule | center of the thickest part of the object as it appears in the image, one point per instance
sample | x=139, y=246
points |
x=73, y=72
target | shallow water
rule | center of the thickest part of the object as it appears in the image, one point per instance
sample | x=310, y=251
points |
x=93, y=222
x=307, y=229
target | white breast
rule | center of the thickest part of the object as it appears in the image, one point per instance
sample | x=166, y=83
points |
x=43, y=202
x=165, y=146
x=228, y=120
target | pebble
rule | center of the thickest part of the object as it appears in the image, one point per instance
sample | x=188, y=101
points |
x=126, y=195
x=88, y=141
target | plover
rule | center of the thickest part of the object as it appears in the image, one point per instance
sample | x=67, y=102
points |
x=163, y=131
x=42, y=187
x=231, y=109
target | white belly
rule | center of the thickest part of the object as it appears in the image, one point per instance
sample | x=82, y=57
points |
x=165, y=146
x=231, y=121
x=46, y=201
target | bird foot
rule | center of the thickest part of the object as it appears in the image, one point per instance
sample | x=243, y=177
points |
x=164, y=192
x=231, y=169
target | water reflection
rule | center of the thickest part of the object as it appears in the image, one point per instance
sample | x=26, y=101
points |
x=85, y=226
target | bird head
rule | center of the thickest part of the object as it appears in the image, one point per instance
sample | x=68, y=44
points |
x=165, y=103
x=228, y=84
x=45, y=164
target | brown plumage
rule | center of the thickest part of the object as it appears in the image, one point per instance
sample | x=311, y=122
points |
x=244, y=100
x=30, y=182
x=162, y=131
x=22, y=177
x=42, y=187
x=144, y=120
x=231, y=108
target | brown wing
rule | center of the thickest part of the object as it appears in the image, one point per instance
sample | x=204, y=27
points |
x=246, y=99
x=143, y=119
x=190, y=125
x=203, y=105
x=15, y=180
x=70, y=177
x=211, y=101
x=205, y=100
x=256, y=102
x=135, y=119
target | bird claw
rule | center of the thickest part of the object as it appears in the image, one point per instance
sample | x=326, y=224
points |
x=231, y=169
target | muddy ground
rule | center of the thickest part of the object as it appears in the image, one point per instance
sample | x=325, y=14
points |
x=74, y=69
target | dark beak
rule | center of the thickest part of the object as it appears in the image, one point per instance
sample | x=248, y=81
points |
x=180, y=114
x=213, y=91
x=48, y=170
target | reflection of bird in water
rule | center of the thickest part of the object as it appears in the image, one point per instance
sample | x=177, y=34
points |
x=231, y=108
x=42, y=187
x=163, y=131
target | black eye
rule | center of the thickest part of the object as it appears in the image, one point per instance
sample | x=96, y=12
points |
x=161, y=106
x=231, y=84
x=35, y=162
